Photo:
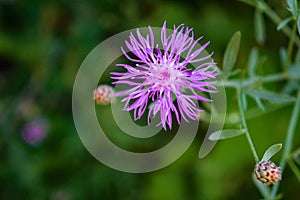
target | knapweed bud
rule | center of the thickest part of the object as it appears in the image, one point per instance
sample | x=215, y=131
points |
x=267, y=172
x=103, y=94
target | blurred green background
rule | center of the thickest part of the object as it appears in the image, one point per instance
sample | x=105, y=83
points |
x=42, y=45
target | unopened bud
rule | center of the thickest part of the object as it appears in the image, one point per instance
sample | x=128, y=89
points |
x=103, y=94
x=267, y=172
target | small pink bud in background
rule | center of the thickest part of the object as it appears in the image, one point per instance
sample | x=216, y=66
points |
x=103, y=94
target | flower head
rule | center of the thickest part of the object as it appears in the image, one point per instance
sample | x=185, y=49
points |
x=35, y=131
x=164, y=77
x=267, y=172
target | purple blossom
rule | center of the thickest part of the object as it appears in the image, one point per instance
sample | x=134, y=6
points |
x=35, y=131
x=163, y=77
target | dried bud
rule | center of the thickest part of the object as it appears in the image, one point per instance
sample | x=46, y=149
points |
x=103, y=94
x=267, y=172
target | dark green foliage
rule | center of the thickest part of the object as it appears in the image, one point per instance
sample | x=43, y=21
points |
x=42, y=45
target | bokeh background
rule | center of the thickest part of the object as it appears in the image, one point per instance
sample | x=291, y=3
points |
x=42, y=45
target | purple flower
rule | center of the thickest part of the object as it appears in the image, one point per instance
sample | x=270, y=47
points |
x=163, y=77
x=35, y=131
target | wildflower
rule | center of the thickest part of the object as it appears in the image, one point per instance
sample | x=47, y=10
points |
x=267, y=172
x=163, y=77
x=34, y=132
x=103, y=94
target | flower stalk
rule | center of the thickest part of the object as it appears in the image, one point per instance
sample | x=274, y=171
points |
x=289, y=140
x=244, y=124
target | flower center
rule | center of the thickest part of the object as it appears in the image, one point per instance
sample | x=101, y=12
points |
x=165, y=76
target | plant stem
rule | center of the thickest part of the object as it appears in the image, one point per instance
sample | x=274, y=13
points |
x=274, y=77
x=276, y=19
x=273, y=16
x=290, y=48
x=293, y=167
x=244, y=124
x=288, y=141
x=236, y=83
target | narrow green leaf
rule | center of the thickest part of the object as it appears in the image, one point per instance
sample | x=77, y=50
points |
x=290, y=3
x=253, y=61
x=298, y=24
x=290, y=86
x=294, y=71
x=292, y=6
x=270, y=96
x=224, y=134
x=231, y=53
x=271, y=151
x=259, y=26
x=296, y=156
x=244, y=101
x=284, y=23
x=259, y=103
x=283, y=55
x=234, y=72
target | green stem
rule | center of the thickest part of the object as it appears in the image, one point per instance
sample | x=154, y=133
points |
x=276, y=19
x=274, y=78
x=273, y=16
x=253, y=80
x=288, y=141
x=244, y=124
x=290, y=47
x=294, y=167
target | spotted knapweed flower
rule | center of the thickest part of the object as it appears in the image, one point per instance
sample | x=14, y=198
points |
x=165, y=76
x=267, y=172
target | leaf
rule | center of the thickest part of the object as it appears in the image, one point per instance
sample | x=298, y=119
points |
x=259, y=26
x=234, y=72
x=224, y=134
x=294, y=72
x=253, y=61
x=284, y=23
x=289, y=87
x=270, y=96
x=296, y=156
x=283, y=55
x=290, y=3
x=298, y=24
x=259, y=103
x=244, y=101
x=231, y=53
x=293, y=6
x=271, y=151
